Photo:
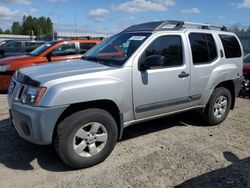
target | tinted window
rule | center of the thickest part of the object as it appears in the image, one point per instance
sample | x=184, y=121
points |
x=211, y=47
x=42, y=48
x=84, y=47
x=115, y=50
x=203, y=48
x=30, y=46
x=168, y=46
x=247, y=59
x=65, y=49
x=231, y=46
x=13, y=46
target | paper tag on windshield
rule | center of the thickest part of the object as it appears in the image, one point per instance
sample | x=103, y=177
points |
x=137, y=38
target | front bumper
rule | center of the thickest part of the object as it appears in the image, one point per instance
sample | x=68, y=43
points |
x=4, y=82
x=35, y=124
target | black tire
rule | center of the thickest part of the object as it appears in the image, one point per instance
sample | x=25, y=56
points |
x=1, y=55
x=208, y=115
x=67, y=129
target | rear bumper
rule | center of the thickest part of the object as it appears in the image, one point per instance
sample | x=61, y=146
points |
x=237, y=85
x=35, y=124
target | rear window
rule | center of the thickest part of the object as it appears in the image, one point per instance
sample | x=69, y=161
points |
x=203, y=48
x=231, y=46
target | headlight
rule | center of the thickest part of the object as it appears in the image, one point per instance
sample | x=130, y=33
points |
x=32, y=95
x=4, y=68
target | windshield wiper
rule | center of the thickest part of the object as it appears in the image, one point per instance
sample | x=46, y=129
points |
x=96, y=59
x=30, y=54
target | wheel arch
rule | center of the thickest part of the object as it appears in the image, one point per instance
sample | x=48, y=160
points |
x=108, y=105
x=229, y=84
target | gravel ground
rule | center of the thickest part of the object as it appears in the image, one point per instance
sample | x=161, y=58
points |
x=174, y=151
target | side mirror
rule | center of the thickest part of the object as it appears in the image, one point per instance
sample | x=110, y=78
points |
x=152, y=61
x=49, y=55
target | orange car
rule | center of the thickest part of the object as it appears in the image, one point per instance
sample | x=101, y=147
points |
x=49, y=52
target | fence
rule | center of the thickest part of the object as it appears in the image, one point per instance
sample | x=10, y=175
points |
x=15, y=37
x=58, y=35
x=245, y=41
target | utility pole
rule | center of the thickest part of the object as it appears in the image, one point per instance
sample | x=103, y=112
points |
x=53, y=38
x=75, y=22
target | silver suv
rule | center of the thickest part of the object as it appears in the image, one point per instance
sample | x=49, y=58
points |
x=145, y=72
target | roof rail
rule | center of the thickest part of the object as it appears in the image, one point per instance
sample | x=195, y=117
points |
x=170, y=25
x=205, y=26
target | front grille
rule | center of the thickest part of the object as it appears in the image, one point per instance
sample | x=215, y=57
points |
x=20, y=93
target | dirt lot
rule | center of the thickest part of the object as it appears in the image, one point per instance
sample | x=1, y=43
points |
x=174, y=151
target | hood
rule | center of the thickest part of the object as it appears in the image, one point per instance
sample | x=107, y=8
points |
x=14, y=59
x=246, y=69
x=51, y=71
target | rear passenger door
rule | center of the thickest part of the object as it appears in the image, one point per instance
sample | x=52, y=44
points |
x=165, y=88
x=205, y=58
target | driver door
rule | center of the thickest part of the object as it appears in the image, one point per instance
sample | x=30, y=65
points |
x=65, y=51
x=162, y=89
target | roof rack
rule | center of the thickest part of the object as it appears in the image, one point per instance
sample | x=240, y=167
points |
x=205, y=26
x=170, y=25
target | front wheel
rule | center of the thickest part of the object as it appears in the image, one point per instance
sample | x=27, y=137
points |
x=86, y=138
x=218, y=106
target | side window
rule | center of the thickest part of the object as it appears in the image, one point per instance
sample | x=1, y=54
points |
x=30, y=46
x=65, y=49
x=13, y=46
x=203, y=48
x=231, y=46
x=84, y=47
x=211, y=46
x=168, y=46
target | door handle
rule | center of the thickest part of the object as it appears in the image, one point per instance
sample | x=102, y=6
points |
x=183, y=74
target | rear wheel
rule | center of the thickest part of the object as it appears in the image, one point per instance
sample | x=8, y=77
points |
x=86, y=138
x=218, y=106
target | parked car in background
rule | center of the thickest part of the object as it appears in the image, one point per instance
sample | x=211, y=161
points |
x=246, y=67
x=50, y=52
x=245, y=91
x=147, y=71
x=17, y=47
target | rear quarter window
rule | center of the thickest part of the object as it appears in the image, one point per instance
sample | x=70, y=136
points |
x=231, y=46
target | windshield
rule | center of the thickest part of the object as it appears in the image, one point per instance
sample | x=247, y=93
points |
x=117, y=49
x=2, y=43
x=247, y=59
x=42, y=48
